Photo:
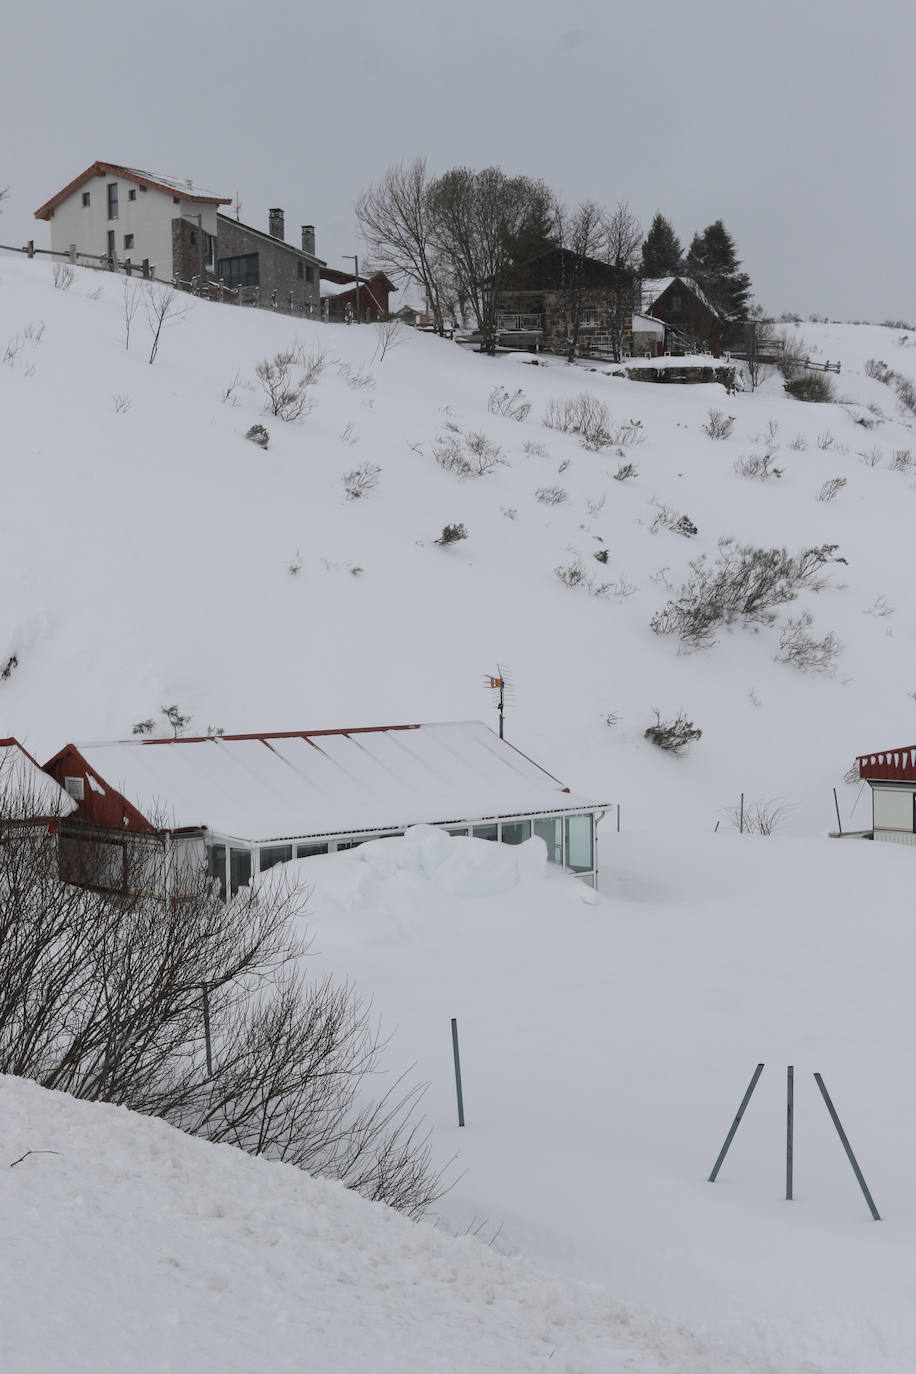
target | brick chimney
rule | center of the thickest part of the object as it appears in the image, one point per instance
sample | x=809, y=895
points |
x=308, y=239
x=275, y=224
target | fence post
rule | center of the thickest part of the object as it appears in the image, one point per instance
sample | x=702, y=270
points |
x=71, y=252
x=741, y=817
x=847, y=1147
x=790, y=1112
x=145, y=269
x=30, y=248
x=457, y=1071
x=735, y=1124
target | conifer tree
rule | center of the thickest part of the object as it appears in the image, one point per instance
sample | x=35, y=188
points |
x=714, y=265
x=662, y=255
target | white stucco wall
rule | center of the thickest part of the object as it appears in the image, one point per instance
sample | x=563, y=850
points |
x=148, y=218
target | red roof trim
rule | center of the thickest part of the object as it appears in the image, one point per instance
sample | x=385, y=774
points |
x=99, y=169
x=888, y=765
x=10, y=740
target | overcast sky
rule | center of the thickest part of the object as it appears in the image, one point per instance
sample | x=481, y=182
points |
x=792, y=122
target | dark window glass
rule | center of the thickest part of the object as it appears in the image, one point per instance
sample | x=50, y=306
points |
x=193, y=238
x=307, y=851
x=128, y=241
x=86, y=197
x=458, y=830
x=216, y=865
x=239, y=869
x=112, y=200
x=111, y=243
x=486, y=832
x=132, y=193
x=241, y=271
x=309, y=273
x=514, y=832
x=272, y=854
x=301, y=269
x=348, y=844
x=579, y=855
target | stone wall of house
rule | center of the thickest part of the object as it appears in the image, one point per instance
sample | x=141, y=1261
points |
x=281, y=267
x=190, y=250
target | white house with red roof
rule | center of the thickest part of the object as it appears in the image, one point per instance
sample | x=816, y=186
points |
x=250, y=802
x=126, y=214
x=891, y=775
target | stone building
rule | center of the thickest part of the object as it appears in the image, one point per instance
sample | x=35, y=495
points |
x=542, y=300
x=249, y=258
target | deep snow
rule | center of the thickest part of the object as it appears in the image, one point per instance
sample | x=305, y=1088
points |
x=153, y=556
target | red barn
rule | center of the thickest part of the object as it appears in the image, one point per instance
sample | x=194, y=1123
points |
x=339, y=291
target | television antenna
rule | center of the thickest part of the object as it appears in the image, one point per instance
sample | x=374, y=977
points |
x=502, y=684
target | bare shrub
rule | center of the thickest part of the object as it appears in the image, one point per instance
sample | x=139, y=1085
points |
x=359, y=381
x=573, y=574
x=551, y=496
x=451, y=534
x=257, y=434
x=871, y=457
x=799, y=443
x=902, y=460
x=467, y=455
x=799, y=647
x=131, y=298
x=880, y=608
x=534, y=449
x=122, y=403
x=674, y=736
x=62, y=276
x=590, y=419
x=596, y=504
x=624, y=472
x=668, y=519
x=227, y=395
x=811, y=386
x=831, y=488
x=360, y=481
x=719, y=425
x=758, y=466
x=509, y=512
x=759, y=817
x=286, y=395
x=388, y=334
x=742, y=587
x=601, y=555
x=878, y=370
x=512, y=405
x=825, y=441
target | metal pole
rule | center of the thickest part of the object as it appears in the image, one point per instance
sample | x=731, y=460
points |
x=790, y=1112
x=502, y=702
x=837, y=805
x=207, y=1029
x=457, y=1072
x=847, y=1147
x=736, y=1123
x=618, y=818
x=741, y=820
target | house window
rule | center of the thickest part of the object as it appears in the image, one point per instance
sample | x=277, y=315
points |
x=86, y=198
x=210, y=247
x=588, y=315
x=550, y=829
x=515, y=832
x=310, y=273
x=132, y=193
x=308, y=851
x=240, y=271
x=193, y=238
x=579, y=849
x=301, y=270
x=128, y=241
x=486, y=832
x=273, y=854
x=112, y=200
x=216, y=865
x=75, y=788
x=111, y=243
x=239, y=869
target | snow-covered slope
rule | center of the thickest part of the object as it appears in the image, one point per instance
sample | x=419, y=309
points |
x=154, y=557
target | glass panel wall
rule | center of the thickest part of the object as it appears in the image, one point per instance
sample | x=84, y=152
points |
x=514, y=832
x=550, y=829
x=239, y=869
x=490, y=831
x=579, y=848
x=216, y=865
x=458, y=830
x=272, y=854
x=308, y=851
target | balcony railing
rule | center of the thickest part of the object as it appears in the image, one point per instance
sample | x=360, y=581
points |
x=509, y=323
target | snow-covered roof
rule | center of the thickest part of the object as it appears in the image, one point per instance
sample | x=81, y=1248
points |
x=333, y=288
x=176, y=185
x=646, y=324
x=275, y=786
x=26, y=788
x=653, y=288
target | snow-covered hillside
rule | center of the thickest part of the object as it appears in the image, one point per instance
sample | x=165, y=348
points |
x=154, y=556
x=149, y=555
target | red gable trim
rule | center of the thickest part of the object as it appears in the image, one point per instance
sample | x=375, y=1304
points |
x=889, y=765
x=100, y=169
x=275, y=734
x=107, y=808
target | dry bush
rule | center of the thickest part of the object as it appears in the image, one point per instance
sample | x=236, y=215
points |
x=742, y=587
x=811, y=386
x=758, y=466
x=759, y=817
x=719, y=425
x=360, y=481
x=624, y=472
x=674, y=736
x=799, y=648
x=902, y=460
x=551, y=496
x=666, y=518
x=62, y=276
x=286, y=395
x=467, y=455
x=831, y=488
x=512, y=405
x=590, y=419
x=451, y=534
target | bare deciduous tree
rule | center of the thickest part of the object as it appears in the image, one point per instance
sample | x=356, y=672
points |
x=395, y=219
x=131, y=295
x=162, y=307
x=623, y=238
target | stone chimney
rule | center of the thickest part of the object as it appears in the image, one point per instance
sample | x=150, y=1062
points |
x=275, y=224
x=308, y=239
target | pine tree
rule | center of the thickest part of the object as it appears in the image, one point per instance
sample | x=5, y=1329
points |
x=714, y=265
x=662, y=255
